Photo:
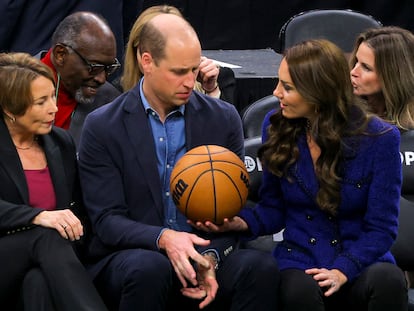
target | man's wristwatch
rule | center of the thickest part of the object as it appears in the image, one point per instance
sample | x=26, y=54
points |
x=213, y=256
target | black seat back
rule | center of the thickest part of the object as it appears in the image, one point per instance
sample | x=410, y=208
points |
x=403, y=248
x=341, y=26
x=253, y=166
x=407, y=159
x=253, y=115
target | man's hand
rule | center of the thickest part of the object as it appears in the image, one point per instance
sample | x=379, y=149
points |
x=207, y=284
x=179, y=247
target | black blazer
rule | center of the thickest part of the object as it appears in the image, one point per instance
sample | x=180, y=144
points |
x=60, y=151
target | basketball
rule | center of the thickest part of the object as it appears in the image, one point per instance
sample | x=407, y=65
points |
x=209, y=182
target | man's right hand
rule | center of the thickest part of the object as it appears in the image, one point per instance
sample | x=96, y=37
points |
x=179, y=247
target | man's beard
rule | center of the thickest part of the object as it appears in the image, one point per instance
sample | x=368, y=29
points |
x=82, y=99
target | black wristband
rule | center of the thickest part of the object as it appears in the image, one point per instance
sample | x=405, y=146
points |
x=212, y=90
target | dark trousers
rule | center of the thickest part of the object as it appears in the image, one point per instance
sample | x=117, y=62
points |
x=380, y=287
x=38, y=265
x=138, y=279
x=34, y=293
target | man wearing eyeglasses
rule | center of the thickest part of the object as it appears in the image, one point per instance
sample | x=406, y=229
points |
x=83, y=55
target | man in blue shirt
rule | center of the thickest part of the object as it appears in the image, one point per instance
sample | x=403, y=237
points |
x=143, y=253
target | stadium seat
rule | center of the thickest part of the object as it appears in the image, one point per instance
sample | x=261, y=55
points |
x=253, y=115
x=407, y=160
x=340, y=26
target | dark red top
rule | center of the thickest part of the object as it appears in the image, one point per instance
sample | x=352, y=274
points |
x=41, y=191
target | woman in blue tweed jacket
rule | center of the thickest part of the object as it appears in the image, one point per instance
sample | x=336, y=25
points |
x=332, y=179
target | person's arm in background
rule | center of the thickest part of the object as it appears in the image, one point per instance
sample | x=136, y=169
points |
x=215, y=81
x=207, y=77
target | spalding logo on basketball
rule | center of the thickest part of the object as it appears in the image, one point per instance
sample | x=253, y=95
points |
x=209, y=183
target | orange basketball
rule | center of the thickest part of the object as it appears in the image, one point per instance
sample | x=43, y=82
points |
x=209, y=183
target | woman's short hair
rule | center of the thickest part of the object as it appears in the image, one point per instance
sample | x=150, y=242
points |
x=17, y=72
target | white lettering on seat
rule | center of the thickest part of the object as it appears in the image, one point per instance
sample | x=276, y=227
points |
x=407, y=157
x=252, y=164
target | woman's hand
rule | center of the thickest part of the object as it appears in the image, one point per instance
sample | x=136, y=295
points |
x=330, y=279
x=207, y=286
x=233, y=224
x=64, y=221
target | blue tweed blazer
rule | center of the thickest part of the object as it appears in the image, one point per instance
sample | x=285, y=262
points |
x=366, y=226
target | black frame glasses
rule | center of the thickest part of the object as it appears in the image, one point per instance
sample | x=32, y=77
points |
x=95, y=69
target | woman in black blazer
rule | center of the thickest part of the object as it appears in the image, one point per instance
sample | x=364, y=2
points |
x=39, y=195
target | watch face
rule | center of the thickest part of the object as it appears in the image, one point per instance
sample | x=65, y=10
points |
x=214, y=257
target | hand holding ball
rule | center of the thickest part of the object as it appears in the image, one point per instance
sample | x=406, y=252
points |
x=209, y=183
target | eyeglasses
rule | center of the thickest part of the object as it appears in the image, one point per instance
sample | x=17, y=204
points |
x=95, y=69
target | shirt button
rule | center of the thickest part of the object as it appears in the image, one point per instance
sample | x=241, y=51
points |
x=309, y=217
x=161, y=139
x=167, y=194
x=312, y=241
x=334, y=242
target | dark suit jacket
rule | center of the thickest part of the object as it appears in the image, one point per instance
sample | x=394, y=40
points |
x=118, y=168
x=59, y=148
x=106, y=93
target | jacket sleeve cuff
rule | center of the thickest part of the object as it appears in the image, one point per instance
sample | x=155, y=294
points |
x=349, y=266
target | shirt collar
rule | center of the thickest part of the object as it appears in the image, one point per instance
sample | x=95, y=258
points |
x=148, y=107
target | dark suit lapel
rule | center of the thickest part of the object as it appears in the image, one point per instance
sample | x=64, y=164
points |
x=56, y=169
x=194, y=123
x=9, y=160
x=142, y=145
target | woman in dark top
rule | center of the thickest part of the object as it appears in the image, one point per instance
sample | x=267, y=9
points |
x=38, y=196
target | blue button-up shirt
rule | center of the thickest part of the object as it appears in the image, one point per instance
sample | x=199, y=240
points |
x=169, y=139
